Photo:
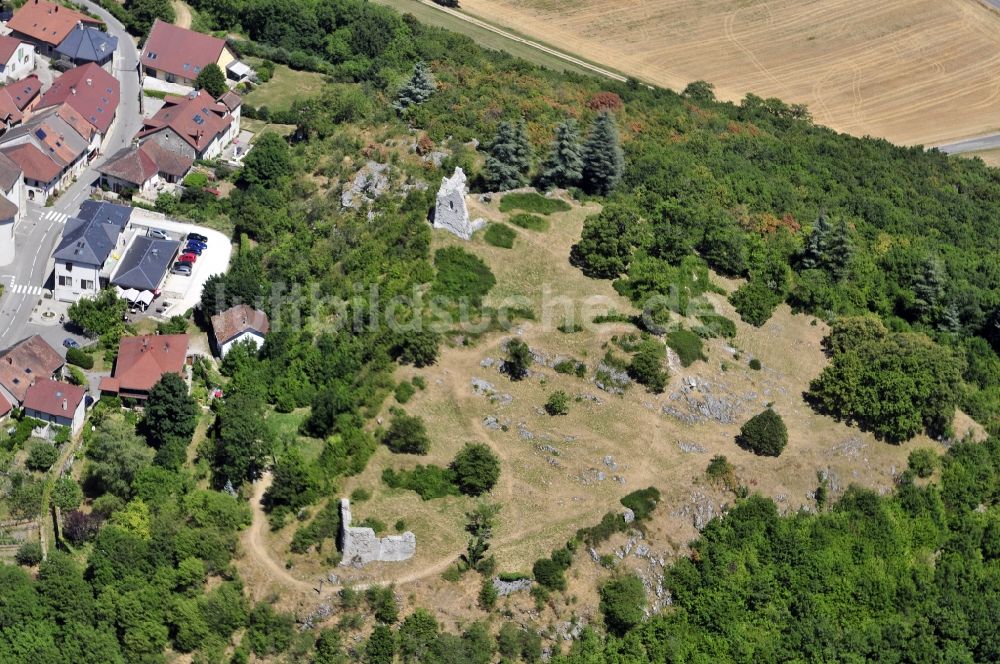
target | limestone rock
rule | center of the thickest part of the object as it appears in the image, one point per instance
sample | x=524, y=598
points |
x=450, y=211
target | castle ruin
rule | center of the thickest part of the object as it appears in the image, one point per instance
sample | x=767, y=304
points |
x=359, y=546
x=450, y=211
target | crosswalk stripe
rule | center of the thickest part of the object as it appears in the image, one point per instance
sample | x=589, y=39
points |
x=23, y=289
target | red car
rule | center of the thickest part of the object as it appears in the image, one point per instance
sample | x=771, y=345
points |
x=187, y=258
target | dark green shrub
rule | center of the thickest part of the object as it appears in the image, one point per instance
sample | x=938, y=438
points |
x=558, y=403
x=41, y=456
x=755, y=364
x=718, y=325
x=623, y=603
x=428, y=481
x=407, y=434
x=764, y=434
x=475, y=469
x=79, y=358
x=500, y=235
x=404, y=392
x=461, y=276
x=687, y=345
x=720, y=470
x=532, y=202
x=922, y=461
x=382, y=602
x=518, y=359
x=755, y=302
x=375, y=524
x=29, y=554
x=532, y=222
x=647, y=368
x=549, y=574
x=419, y=382
x=360, y=495
x=642, y=502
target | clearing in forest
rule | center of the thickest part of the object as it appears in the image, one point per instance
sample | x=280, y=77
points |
x=911, y=71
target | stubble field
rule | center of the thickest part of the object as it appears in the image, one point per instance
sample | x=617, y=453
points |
x=911, y=71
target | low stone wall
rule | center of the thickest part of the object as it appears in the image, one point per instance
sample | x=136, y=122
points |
x=360, y=546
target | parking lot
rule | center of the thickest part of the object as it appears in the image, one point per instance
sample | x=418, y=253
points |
x=178, y=292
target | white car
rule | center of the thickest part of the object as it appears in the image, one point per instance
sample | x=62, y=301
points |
x=158, y=234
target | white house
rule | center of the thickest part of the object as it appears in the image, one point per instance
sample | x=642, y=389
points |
x=92, y=243
x=195, y=125
x=11, y=206
x=56, y=403
x=17, y=59
x=238, y=324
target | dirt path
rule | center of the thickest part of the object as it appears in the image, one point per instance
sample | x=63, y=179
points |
x=182, y=14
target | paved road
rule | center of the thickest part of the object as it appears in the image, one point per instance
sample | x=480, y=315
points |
x=977, y=144
x=40, y=229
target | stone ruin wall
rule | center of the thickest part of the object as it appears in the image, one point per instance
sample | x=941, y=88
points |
x=360, y=546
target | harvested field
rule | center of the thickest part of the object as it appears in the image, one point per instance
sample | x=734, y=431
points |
x=911, y=71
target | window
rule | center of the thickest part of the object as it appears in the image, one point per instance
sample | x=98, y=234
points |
x=65, y=281
x=69, y=267
x=86, y=284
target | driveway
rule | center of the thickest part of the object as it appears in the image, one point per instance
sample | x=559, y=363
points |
x=977, y=144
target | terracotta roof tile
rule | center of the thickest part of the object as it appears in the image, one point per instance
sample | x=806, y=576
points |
x=47, y=22
x=27, y=361
x=93, y=92
x=196, y=118
x=9, y=172
x=54, y=398
x=235, y=321
x=34, y=163
x=8, y=45
x=180, y=51
x=143, y=360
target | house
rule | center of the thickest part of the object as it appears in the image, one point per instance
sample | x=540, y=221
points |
x=5, y=409
x=142, y=361
x=50, y=149
x=86, y=44
x=82, y=262
x=177, y=55
x=46, y=24
x=238, y=324
x=57, y=403
x=17, y=59
x=195, y=125
x=145, y=263
x=91, y=91
x=17, y=100
x=24, y=363
x=143, y=169
x=12, y=204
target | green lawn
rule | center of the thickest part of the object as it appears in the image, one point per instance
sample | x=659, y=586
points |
x=481, y=36
x=285, y=86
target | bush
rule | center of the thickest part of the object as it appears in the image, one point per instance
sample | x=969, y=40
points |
x=764, y=434
x=718, y=325
x=41, y=456
x=558, y=403
x=549, y=574
x=532, y=222
x=461, y=276
x=687, y=345
x=407, y=434
x=487, y=595
x=76, y=376
x=720, y=470
x=428, y=481
x=646, y=366
x=922, y=461
x=29, y=554
x=755, y=364
x=79, y=358
x=476, y=469
x=518, y=359
x=623, y=603
x=500, y=235
x=642, y=502
x=532, y=202
x=360, y=495
x=404, y=391
x=755, y=302
x=579, y=369
x=66, y=494
x=382, y=602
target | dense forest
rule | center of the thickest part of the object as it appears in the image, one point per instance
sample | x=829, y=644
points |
x=897, y=246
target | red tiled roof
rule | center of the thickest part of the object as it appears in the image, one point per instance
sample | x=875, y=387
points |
x=167, y=161
x=72, y=117
x=54, y=398
x=15, y=97
x=143, y=360
x=47, y=22
x=196, y=118
x=5, y=406
x=180, y=51
x=9, y=172
x=34, y=163
x=237, y=320
x=7, y=47
x=131, y=165
x=93, y=92
x=27, y=361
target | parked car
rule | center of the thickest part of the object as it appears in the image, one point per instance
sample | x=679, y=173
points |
x=158, y=233
x=196, y=243
x=187, y=258
x=181, y=268
x=198, y=237
x=193, y=249
x=70, y=343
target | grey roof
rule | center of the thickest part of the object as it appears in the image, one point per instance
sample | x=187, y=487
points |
x=111, y=213
x=88, y=44
x=66, y=134
x=145, y=263
x=9, y=172
x=87, y=241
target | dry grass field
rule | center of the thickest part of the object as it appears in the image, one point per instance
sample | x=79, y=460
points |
x=911, y=71
x=556, y=472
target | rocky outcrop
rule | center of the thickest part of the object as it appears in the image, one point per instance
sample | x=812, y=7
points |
x=450, y=211
x=359, y=546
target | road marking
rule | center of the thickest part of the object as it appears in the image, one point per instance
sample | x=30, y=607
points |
x=53, y=215
x=22, y=289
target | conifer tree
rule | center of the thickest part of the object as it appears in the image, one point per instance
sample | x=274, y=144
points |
x=928, y=289
x=564, y=165
x=603, y=160
x=839, y=250
x=417, y=90
x=812, y=257
x=510, y=157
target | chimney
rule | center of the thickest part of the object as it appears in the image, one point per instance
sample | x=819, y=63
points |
x=90, y=82
x=65, y=404
x=72, y=90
